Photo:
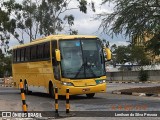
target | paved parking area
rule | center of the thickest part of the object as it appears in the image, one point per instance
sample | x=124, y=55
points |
x=10, y=100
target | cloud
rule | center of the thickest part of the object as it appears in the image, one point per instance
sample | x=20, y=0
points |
x=86, y=24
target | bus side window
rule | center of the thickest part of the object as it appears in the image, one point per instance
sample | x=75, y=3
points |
x=18, y=55
x=40, y=51
x=33, y=52
x=27, y=54
x=46, y=53
x=22, y=54
x=54, y=62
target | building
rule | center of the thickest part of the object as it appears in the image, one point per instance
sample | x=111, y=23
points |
x=140, y=41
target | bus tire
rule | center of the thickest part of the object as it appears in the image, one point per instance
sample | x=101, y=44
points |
x=90, y=95
x=26, y=88
x=51, y=90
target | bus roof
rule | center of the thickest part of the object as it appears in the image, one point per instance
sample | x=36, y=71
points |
x=54, y=37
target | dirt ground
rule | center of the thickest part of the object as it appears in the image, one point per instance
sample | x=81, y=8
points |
x=152, y=90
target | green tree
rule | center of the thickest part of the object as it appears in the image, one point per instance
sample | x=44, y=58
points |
x=4, y=37
x=36, y=18
x=143, y=75
x=153, y=45
x=134, y=18
x=5, y=64
x=132, y=54
x=122, y=54
x=139, y=56
x=113, y=47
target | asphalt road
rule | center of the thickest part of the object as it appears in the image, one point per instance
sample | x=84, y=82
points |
x=10, y=100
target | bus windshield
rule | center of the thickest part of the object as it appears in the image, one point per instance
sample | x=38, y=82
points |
x=82, y=58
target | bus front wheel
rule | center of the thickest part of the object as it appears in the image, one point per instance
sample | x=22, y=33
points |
x=91, y=95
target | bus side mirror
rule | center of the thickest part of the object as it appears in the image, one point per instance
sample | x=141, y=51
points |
x=58, y=55
x=108, y=54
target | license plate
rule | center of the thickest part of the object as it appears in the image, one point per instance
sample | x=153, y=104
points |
x=86, y=89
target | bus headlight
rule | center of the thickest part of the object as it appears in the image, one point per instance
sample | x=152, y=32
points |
x=100, y=81
x=67, y=83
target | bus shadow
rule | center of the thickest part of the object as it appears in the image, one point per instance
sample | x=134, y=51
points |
x=60, y=97
x=81, y=97
x=38, y=94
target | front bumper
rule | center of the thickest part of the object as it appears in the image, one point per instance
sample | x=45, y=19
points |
x=100, y=88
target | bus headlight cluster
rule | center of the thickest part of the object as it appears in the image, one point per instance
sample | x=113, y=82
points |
x=100, y=81
x=67, y=83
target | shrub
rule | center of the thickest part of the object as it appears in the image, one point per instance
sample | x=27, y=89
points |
x=143, y=75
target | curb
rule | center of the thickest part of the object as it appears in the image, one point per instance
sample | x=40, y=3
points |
x=135, y=93
x=131, y=82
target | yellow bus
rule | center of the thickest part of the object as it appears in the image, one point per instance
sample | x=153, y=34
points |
x=76, y=62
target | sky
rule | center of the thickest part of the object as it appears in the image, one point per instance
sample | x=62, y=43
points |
x=85, y=23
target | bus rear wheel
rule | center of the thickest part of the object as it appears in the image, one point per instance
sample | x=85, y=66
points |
x=90, y=95
x=51, y=91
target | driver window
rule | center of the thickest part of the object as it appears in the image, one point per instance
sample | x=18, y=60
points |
x=55, y=64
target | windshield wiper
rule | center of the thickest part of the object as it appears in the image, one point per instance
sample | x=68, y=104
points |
x=87, y=67
x=79, y=71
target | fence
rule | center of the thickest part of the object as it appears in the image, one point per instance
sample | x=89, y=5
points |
x=154, y=75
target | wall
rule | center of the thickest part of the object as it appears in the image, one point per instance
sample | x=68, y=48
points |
x=132, y=75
